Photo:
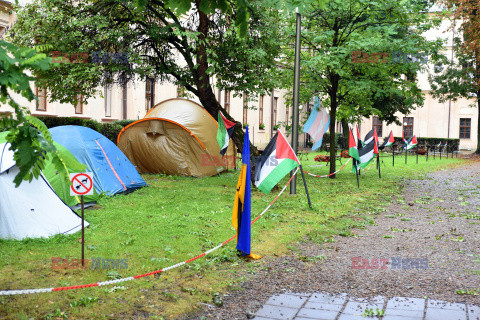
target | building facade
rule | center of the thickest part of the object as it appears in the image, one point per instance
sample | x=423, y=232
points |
x=263, y=113
x=451, y=119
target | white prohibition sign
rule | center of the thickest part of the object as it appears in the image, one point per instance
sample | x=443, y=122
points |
x=82, y=184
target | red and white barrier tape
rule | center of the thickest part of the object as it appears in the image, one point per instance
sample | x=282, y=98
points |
x=327, y=175
x=105, y=283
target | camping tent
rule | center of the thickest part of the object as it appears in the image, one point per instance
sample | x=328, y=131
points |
x=61, y=183
x=33, y=209
x=112, y=171
x=176, y=137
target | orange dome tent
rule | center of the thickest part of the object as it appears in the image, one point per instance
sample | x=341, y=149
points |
x=176, y=137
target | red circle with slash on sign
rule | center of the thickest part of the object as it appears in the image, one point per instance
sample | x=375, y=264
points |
x=81, y=184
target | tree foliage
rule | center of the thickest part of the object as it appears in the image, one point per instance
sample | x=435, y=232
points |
x=189, y=43
x=357, y=85
x=28, y=136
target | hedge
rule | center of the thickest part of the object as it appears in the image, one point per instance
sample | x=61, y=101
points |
x=109, y=130
x=451, y=143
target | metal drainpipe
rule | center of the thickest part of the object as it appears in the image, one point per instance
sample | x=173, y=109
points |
x=271, y=114
x=450, y=100
x=124, y=101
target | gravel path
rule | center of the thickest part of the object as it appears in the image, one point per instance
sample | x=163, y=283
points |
x=436, y=222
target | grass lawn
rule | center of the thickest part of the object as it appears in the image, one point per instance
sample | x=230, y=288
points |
x=177, y=218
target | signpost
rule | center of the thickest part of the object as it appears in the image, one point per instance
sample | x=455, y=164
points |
x=82, y=185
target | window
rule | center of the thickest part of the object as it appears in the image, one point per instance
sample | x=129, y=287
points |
x=149, y=93
x=41, y=104
x=245, y=108
x=226, y=105
x=260, y=110
x=408, y=127
x=465, y=126
x=108, y=101
x=377, y=125
x=287, y=115
x=79, y=104
x=275, y=106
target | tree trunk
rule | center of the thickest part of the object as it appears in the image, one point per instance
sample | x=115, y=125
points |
x=205, y=91
x=333, y=147
x=345, y=130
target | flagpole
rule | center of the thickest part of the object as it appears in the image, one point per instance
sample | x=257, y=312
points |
x=417, y=153
x=427, y=151
x=356, y=171
x=393, y=156
x=296, y=87
x=306, y=189
x=405, y=154
x=378, y=163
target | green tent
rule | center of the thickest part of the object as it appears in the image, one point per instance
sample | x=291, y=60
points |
x=58, y=182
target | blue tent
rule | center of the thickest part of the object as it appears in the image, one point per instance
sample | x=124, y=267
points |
x=112, y=171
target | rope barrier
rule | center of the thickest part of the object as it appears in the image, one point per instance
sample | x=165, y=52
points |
x=109, y=282
x=327, y=175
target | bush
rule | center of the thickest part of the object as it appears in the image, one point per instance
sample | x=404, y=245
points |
x=109, y=130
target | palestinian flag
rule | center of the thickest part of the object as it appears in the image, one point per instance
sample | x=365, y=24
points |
x=224, y=132
x=403, y=138
x=367, y=151
x=276, y=161
x=353, y=151
x=388, y=142
x=241, y=216
x=411, y=143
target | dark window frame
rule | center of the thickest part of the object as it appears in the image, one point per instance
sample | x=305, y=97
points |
x=79, y=104
x=408, y=127
x=41, y=95
x=149, y=93
x=260, y=110
x=378, y=125
x=465, y=128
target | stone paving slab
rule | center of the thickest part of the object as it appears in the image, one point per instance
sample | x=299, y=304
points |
x=473, y=312
x=326, y=306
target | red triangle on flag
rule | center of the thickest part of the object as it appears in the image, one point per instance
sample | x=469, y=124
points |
x=391, y=138
x=351, y=140
x=414, y=140
x=375, y=137
x=283, y=149
x=228, y=123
